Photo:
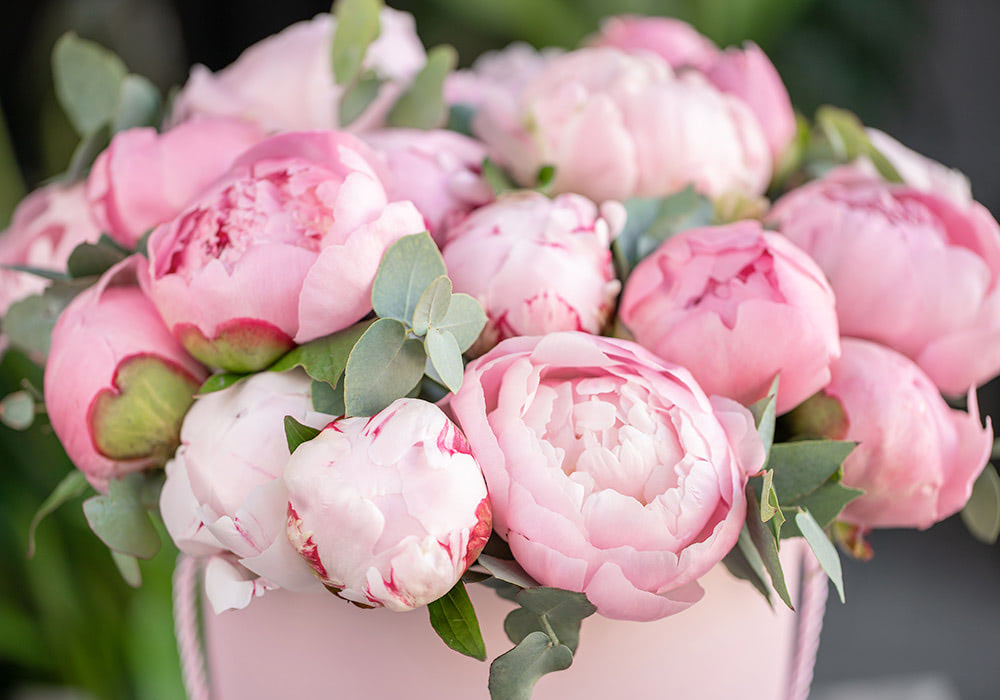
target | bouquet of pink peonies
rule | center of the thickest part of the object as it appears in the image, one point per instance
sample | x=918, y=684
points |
x=575, y=326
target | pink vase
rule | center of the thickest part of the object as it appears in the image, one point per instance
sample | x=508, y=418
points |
x=730, y=645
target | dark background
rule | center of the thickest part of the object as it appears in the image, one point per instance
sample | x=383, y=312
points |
x=922, y=618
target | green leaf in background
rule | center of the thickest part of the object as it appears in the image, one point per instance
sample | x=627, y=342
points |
x=86, y=152
x=408, y=267
x=792, y=158
x=384, y=366
x=445, y=355
x=825, y=504
x=513, y=675
x=88, y=80
x=29, y=322
x=845, y=135
x=296, y=433
x=460, y=118
x=744, y=562
x=324, y=359
x=422, y=106
x=358, y=97
x=803, y=466
x=128, y=567
x=496, y=177
x=120, y=520
x=139, y=104
x=464, y=320
x=11, y=183
x=328, y=399
x=822, y=547
x=507, y=570
x=545, y=179
x=220, y=381
x=981, y=514
x=72, y=486
x=764, y=418
x=51, y=275
x=92, y=259
x=433, y=305
x=17, y=410
x=454, y=619
x=357, y=27
x=555, y=612
x=767, y=546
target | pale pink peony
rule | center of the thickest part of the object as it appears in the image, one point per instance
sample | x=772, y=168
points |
x=736, y=305
x=144, y=178
x=283, y=248
x=117, y=383
x=920, y=171
x=537, y=265
x=285, y=82
x=497, y=75
x=616, y=125
x=439, y=171
x=673, y=40
x=47, y=225
x=389, y=510
x=224, y=497
x=916, y=459
x=911, y=270
x=610, y=472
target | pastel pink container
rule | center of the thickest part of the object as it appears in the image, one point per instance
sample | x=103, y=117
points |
x=288, y=645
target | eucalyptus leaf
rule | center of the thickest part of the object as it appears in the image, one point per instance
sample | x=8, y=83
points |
x=520, y=622
x=846, y=136
x=220, y=381
x=422, y=105
x=822, y=547
x=507, y=570
x=981, y=514
x=37, y=272
x=444, y=353
x=120, y=520
x=513, y=675
x=358, y=97
x=764, y=417
x=825, y=504
x=556, y=603
x=770, y=510
x=803, y=466
x=744, y=562
x=460, y=118
x=17, y=410
x=454, y=619
x=383, y=366
x=357, y=27
x=128, y=567
x=328, y=399
x=139, y=104
x=465, y=320
x=296, y=433
x=767, y=546
x=324, y=359
x=407, y=269
x=545, y=179
x=433, y=305
x=92, y=259
x=85, y=153
x=88, y=80
x=72, y=486
x=29, y=322
x=496, y=177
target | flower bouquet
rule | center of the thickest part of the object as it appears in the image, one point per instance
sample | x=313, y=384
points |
x=567, y=329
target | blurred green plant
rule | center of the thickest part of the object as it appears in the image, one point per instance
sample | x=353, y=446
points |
x=11, y=184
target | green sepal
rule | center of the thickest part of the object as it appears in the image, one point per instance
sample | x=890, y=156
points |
x=296, y=433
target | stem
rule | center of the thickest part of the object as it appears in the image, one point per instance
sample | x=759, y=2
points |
x=548, y=629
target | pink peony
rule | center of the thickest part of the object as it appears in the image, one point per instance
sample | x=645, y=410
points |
x=673, y=40
x=224, y=497
x=609, y=472
x=911, y=270
x=144, y=178
x=117, y=384
x=47, y=225
x=920, y=171
x=439, y=171
x=736, y=305
x=283, y=248
x=497, y=74
x=389, y=510
x=917, y=459
x=537, y=265
x=286, y=83
x=616, y=125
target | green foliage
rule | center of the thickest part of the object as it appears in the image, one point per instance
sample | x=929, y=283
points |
x=93, y=259
x=328, y=399
x=454, y=619
x=384, y=366
x=822, y=547
x=507, y=570
x=120, y=518
x=408, y=268
x=465, y=320
x=357, y=97
x=422, y=105
x=982, y=513
x=764, y=418
x=296, y=433
x=29, y=322
x=766, y=545
x=324, y=359
x=513, y=675
x=72, y=486
x=744, y=562
x=496, y=177
x=443, y=351
x=220, y=381
x=432, y=307
x=88, y=80
x=17, y=410
x=357, y=27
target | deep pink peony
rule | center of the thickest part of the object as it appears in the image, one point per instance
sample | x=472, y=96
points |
x=143, y=178
x=281, y=250
x=537, y=265
x=224, y=497
x=439, y=171
x=609, y=472
x=916, y=459
x=47, y=225
x=911, y=270
x=285, y=82
x=617, y=125
x=117, y=383
x=389, y=510
x=736, y=305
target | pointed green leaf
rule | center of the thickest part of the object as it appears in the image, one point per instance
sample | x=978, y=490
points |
x=85, y=153
x=764, y=418
x=296, y=433
x=496, y=177
x=513, y=675
x=328, y=399
x=803, y=466
x=422, y=106
x=545, y=178
x=91, y=259
x=17, y=410
x=465, y=320
x=982, y=513
x=744, y=562
x=120, y=520
x=128, y=567
x=822, y=547
x=357, y=27
x=324, y=359
x=770, y=511
x=767, y=546
x=433, y=305
x=443, y=352
x=88, y=81
x=139, y=104
x=825, y=504
x=72, y=486
x=383, y=366
x=408, y=267
x=507, y=570
x=454, y=619
x=37, y=272
x=358, y=97
x=220, y=381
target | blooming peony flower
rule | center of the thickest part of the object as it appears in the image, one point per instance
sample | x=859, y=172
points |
x=920, y=171
x=286, y=83
x=439, y=171
x=117, y=384
x=736, y=305
x=224, y=497
x=143, y=178
x=916, y=459
x=609, y=472
x=537, y=265
x=673, y=40
x=911, y=270
x=283, y=248
x=389, y=510
x=616, y=125
x=497, y=74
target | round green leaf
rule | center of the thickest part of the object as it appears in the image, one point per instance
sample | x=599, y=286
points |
x=383, y=366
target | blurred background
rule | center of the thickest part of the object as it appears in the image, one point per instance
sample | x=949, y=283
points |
x=922, y=617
